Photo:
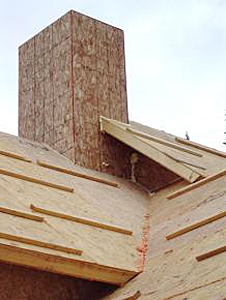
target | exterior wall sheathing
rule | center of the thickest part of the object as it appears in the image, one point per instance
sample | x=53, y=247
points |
x=70, y=74
x=20, y=283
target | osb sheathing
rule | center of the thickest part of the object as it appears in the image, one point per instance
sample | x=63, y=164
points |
x=144, y=171
x=22, y=283
x=71, y=73
x=152, y=175
x=171, y=270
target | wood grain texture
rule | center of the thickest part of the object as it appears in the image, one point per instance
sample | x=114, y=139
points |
x=196, y=184
x=29, y=241
x=201, y=147
x=71, y=73
x=74, y=268
x=92, y=201
x=196, y=225
x=207, y=164
x=35, y=180
x=134, y=296
x=171, y=270
x=163, y=142
x=18, y=282
x=211, y=253
x=153, y=153
x=77, y=174
x=14, y=155
x=200, y=291
x=81, y=220
x=21, y=214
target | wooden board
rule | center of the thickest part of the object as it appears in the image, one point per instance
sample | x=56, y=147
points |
x=81, y=220
x=124, y=136
x=73, y=173
x=196, y=184
x=35, y=180
x=134, y=296
x=107, y=255
x=211, y=253
x=196, y=225
x=163, y=142
x=14, y=155
x=57, y=264
x=210, y=290
x=21, y=214
x=29, y=241
x=171, y=270
x=201, y=147
x=206, y=162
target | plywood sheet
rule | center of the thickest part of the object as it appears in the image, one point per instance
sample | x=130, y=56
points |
x=206, y=164
x=115, y=254
x=171, y=268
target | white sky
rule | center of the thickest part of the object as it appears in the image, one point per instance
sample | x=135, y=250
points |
x=175, y=59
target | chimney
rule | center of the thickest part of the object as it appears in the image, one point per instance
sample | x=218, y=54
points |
x=71, y=73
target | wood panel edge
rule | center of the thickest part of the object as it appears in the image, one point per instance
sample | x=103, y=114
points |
x=66, y=266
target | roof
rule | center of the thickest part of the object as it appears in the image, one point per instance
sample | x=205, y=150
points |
x=189, y=160
x=63, y=218
x=186, y=224
x=70, y=220
x=186, y=249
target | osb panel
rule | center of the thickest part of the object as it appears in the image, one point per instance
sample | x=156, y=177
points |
x=114, y=151
x=76, y=71
x=39, y=125
x=151, y=174
x=113, y=208
x=49, y=117
x=70, y=153
x=61, y=29
x=144, y=171
x=171, y=269
x=62, y=110
x=20, y=283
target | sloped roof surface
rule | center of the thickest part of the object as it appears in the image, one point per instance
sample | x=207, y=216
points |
x=187, y=243
x=112, y=230
x=51, y=218
x=186, y=233
x=187, y=159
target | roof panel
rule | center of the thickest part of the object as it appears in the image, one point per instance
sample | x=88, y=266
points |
x=173, y=269
x=189, y=160
x=108, y=253
x=119, y=132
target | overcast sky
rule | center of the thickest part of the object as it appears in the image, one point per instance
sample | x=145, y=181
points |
x=175, y=59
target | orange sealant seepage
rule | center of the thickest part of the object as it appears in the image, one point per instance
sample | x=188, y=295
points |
x=144, y=242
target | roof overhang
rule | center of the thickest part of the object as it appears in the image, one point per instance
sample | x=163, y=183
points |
x=121, y=132
x=14, y=254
